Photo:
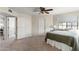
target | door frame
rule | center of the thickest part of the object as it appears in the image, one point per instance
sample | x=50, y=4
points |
x=15, y=26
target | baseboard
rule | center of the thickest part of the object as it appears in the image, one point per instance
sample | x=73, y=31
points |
x=24, y=36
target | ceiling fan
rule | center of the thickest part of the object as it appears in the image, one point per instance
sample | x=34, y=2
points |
x=44, y=10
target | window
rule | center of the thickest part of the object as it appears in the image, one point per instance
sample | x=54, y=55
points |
x=62, y=25
x=74, y=26
x=68, y=25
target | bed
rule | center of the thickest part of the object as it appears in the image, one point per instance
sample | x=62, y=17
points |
x=64, y=40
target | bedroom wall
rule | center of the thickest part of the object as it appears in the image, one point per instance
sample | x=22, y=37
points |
x=24, y=25
x=41, y=23
x=49, y=21
x=28, y=25
x=24, y=22
x=35, y=25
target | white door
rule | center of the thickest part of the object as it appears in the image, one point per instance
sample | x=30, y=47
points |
x=11, y=27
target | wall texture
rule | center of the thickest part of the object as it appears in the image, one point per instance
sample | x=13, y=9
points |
x=41, y=23
x=24, y=25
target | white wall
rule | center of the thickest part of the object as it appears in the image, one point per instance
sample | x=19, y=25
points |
x=35, y=25
x=49, y=21
x=41, y=23
x=28, y=25
x=24, y=25
x=62, y=10
x=24, y=22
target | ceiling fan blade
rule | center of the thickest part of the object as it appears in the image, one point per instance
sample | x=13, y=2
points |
x=42, y=8
x=49, y=10
x=46, y=12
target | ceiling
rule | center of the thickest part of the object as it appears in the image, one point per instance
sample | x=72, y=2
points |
x=27, y=10
x=35, y=10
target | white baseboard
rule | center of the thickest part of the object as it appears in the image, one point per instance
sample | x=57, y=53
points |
x=25, y=35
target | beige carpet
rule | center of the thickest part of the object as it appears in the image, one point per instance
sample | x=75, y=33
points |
x=35, y=43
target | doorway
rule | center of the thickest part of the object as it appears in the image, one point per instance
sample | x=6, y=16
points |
x=1, y=28
x=11, y=27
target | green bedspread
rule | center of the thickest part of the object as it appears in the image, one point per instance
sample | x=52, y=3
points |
x=61, y=38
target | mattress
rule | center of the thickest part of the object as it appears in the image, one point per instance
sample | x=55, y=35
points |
x=57, y=37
